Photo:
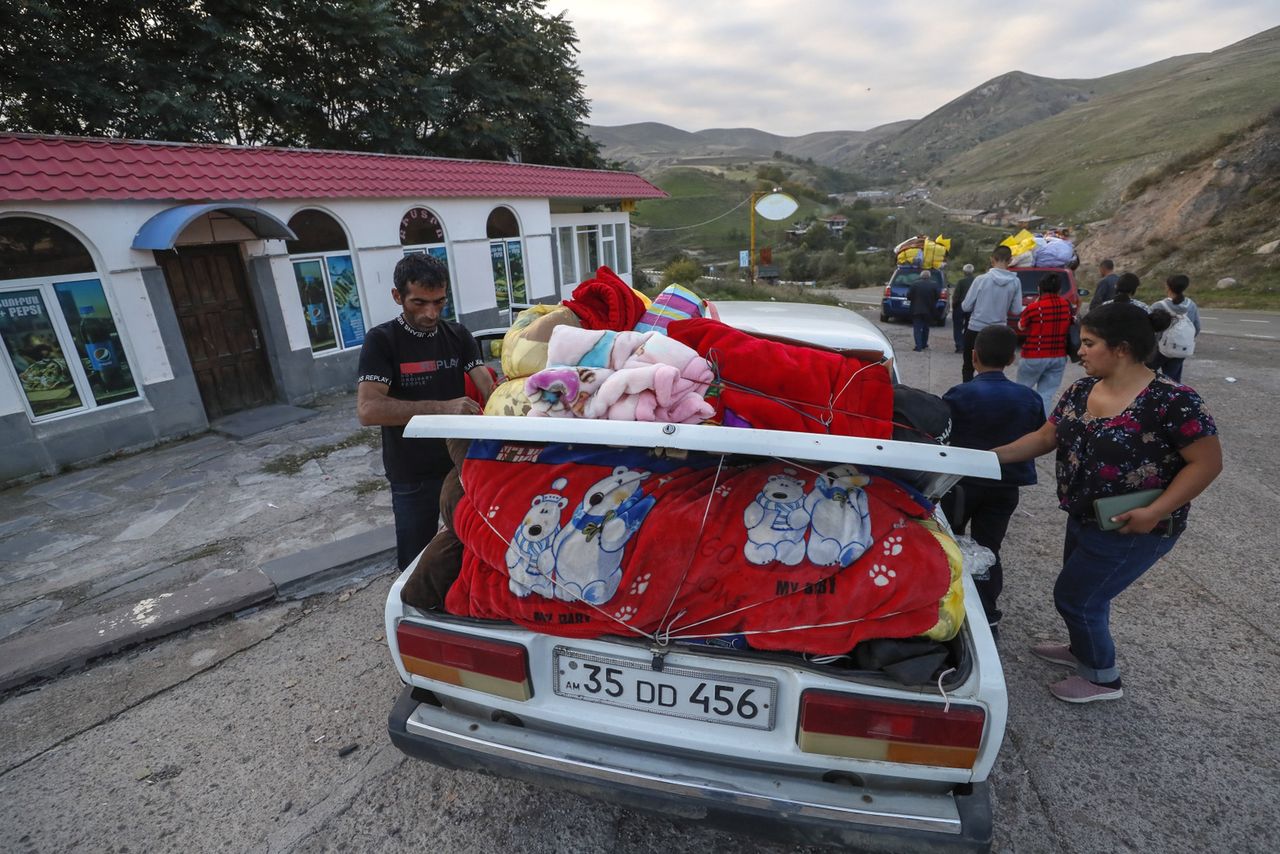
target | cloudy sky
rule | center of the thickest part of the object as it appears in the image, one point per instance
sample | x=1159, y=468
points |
x=797, y=66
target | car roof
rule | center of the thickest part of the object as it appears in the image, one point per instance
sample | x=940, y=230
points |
x=812, y=323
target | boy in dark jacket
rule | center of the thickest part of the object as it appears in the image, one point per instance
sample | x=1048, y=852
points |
x=986, y=412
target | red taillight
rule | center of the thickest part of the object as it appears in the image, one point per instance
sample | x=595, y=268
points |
x=495, y=667
x=888, y=291
x=943, y=295
x=890, y=730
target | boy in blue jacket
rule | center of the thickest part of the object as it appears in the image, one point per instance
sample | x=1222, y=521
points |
x=987, y=411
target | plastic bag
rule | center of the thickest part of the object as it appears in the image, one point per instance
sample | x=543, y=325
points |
x=1020, y=243
x=978, y=560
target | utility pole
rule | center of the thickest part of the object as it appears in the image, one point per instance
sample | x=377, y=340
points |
x=755, y=195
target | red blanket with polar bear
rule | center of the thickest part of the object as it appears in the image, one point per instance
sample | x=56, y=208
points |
x=583, y=541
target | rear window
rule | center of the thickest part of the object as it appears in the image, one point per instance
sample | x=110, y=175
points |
x=1031, y=281
x=903, y=278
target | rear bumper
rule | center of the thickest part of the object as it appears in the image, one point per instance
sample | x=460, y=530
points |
x=742, y=800
x=898, y=307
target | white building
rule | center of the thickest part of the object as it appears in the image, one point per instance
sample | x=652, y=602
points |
x=147, y=289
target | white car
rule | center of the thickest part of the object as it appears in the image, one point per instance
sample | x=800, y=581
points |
x=751, y=741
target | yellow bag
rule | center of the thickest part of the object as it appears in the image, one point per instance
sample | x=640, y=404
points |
x=934, y=254
x=521, y=357
x=951, y=606
x=508, y=399
x=1023, y=241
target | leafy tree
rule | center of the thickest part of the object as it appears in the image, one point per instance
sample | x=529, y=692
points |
x=493, y=80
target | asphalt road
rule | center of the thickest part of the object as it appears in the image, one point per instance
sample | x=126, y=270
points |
x=267, y=733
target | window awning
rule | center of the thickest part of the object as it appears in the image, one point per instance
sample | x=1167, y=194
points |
x=162, y=230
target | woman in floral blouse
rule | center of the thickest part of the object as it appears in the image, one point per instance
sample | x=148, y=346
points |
x=1118, y=430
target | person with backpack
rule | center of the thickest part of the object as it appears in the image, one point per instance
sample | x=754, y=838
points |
x=1179, y=340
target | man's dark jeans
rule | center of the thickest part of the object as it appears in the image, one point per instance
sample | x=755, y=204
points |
x=416, y=505
x=966, y=371
x=958, y=320
x=920, y=326
x=985, y=511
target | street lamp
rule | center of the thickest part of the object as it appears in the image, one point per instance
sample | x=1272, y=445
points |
x=772, y=205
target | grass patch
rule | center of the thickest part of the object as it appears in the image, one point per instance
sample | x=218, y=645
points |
x=291, y=464
x=370, y=486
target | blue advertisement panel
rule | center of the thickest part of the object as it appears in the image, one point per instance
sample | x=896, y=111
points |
x=84, y=306
x=346, y=299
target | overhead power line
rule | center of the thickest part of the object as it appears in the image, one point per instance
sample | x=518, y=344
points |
x=708, y=222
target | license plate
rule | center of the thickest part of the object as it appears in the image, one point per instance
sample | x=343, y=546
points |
x=680, y=692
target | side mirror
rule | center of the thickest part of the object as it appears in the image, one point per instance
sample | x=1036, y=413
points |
x=1084, y=292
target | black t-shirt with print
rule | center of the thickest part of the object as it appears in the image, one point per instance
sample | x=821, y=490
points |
x=417, y=365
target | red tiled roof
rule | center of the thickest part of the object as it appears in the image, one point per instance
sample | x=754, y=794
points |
x=55, y=168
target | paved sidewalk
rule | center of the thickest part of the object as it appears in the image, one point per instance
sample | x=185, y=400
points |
x=118, y=553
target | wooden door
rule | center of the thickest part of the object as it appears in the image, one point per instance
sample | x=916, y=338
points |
x=220, y=327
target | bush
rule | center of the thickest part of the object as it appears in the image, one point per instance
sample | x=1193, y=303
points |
x=685, y=271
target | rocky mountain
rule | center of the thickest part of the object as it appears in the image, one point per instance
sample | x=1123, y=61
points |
x=1068, y=148
x=1206, y=215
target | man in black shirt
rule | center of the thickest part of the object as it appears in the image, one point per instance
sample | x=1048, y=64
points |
x=1105, y=290
x=416, y=364
x=960, y=317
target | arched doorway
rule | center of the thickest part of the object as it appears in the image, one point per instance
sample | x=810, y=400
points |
x=211, y=298
x=506, y=250
x=59, y=333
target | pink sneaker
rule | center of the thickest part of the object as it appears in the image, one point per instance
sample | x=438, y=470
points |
x=1077, y=689
x=1058, y=653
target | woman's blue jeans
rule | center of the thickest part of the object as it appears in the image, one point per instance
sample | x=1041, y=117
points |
x=416, y=505
x=1097, y=566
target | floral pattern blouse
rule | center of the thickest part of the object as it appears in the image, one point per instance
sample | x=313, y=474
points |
x=1137, y=449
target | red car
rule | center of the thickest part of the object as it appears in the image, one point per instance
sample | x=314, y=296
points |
x=1030, y=278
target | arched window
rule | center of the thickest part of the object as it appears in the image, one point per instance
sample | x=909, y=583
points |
x=326, y=278
x=507, y=253
x=60, y=336
x=421, y=231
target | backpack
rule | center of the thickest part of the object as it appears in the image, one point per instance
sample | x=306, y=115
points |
x=1179, y=340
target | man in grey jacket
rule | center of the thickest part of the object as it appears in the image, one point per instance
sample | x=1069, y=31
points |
x=993, y=298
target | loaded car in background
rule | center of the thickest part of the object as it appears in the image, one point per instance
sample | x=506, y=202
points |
x=894, y=305
x=1029, y=278
x=732, y=732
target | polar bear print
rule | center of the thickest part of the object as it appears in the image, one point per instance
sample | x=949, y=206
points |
x=776, y=520
x=529, y=558
x=840, y=519
x=588, y=551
